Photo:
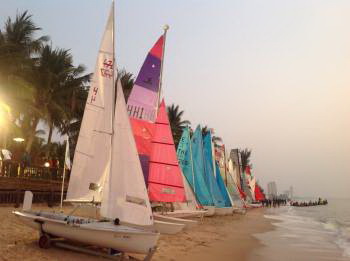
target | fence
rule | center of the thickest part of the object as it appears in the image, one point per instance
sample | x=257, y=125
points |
x=44, y=182
x=16, y=197
x=15, y=170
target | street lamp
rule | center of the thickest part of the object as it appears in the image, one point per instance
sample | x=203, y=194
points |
x=18, y=139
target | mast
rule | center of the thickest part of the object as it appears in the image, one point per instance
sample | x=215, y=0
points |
x=165, y=28
x=212, y=153
x=239, y=168
x=190, y=143
x=113, y=76
x=225, y=165
x=64, y=172
x=114, y=94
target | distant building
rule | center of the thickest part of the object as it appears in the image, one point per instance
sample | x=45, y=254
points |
x=271, y=190
x=291, y=193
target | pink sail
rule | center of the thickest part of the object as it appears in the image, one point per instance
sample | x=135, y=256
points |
x=165, y=183
x=143, y=99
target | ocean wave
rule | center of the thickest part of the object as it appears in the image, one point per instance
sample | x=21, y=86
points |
x=317, y=232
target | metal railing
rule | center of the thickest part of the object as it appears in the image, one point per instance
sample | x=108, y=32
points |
x=16, y=197
x=15, y=170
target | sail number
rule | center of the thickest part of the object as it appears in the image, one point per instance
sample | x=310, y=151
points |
x=106, y=72
x=107, y=69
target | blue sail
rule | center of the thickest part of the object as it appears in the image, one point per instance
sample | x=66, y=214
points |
x=200, y=187
x=184, y=156
x=209, y=172
x=222, y=187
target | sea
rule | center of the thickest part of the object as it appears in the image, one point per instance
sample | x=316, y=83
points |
x=308, y=233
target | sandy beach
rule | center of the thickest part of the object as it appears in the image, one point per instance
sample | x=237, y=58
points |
x=219, y=238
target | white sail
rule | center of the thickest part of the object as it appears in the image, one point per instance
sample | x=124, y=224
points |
x=252, y=183
x=92, y=153
x=191, y=202
x=124, y=191
x=233, y=183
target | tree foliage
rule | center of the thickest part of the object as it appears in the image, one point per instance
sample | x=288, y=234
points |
x=177, y=124
x=245, y=158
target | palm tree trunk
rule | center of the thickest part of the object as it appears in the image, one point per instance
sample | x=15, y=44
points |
x=31, y=135
x=48, y=145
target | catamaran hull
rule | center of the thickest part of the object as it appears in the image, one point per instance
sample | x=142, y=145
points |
x=122, y=238
x=168, y=227
x=188, y=223
x=224, y=211
x=186, y=213
x=210, y=211
x=255, y=205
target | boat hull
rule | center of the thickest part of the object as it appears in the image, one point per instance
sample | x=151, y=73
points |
x=255, y=205
x=102, y=234
x=210, y=211
x=187, y=222
x=186, y=213
x=224, y=211
x=168, y=228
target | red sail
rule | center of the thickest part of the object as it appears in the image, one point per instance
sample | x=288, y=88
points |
x=259, y=196
x=165, y=182
x=143, y=132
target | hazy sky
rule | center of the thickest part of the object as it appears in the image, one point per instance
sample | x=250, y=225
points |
x=273, y=76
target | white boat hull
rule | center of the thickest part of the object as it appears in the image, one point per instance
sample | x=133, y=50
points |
x=102, y=234
x=187, y=222
x=255, y=205
x=224, y=211
x=186, y=213
x=168, y=227
x=210, y=211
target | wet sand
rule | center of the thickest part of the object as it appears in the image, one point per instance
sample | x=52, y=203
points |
x=216, y=238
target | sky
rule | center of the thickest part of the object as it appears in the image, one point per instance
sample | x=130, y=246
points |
x=272, y=76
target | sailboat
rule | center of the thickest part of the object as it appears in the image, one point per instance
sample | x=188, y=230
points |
x=165, y=182
x=143, y=108
x=222, y=207
x=229, y=176
x=106, y=171
x=199, y=183
x=232, y=186
x=245, y=185
x=184, y=154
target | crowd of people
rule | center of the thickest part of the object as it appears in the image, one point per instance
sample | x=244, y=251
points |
x=275, y=202
x=309, y=203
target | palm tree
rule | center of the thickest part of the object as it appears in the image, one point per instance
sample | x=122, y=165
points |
x=215, y=139
x=18, y=50
x=205, y=130
x=127, y=81
x=39, y=83
x=245, y=158
x=56, y=81
x=176, y=122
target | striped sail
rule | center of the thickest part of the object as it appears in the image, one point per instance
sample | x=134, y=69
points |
x=144, y=97
x=165, y=183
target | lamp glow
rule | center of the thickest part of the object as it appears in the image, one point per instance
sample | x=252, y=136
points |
x=18, y=139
